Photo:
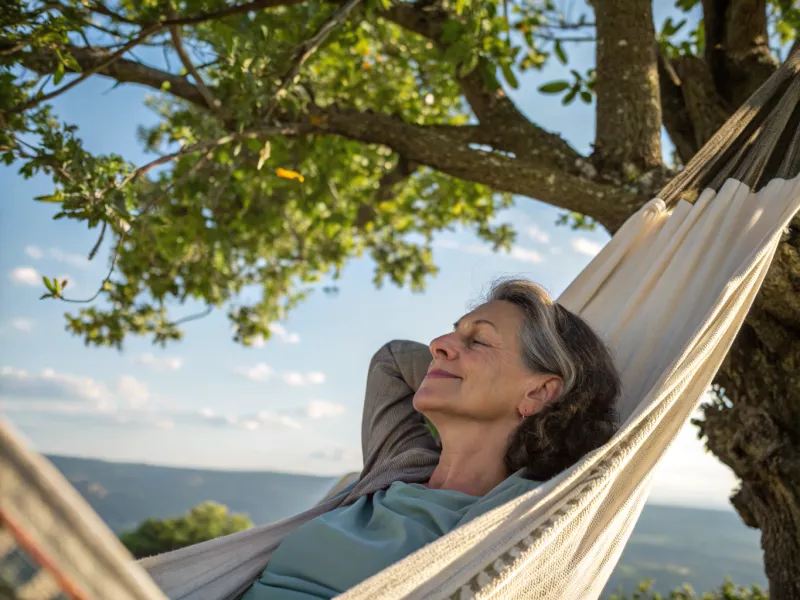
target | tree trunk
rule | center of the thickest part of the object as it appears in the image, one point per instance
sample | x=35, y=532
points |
x=628, y=136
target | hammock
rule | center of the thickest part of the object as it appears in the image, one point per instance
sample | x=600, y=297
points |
x=669, y=293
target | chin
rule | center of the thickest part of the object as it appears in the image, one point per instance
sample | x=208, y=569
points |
x=427, y=400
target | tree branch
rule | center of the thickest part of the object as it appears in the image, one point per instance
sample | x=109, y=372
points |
x=238, y=9
x=175, y=33
x=628, y=134
x=310, y=46
x=673, y=111
x=449, y=149
x=512, y=130
x=737, y=46
x=143, y=35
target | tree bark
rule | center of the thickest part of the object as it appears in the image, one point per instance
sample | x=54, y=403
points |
x=628, y=135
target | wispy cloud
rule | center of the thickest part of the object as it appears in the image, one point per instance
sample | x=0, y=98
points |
x=159, y=363
x=20, y=324
x=258, y=372
x=537, y=234
x=34, y=252
x=261, y=372
x=25, y=276
x=346, y=454
x=320, y=409
x=516, y=252
x=280, y=333
x=586, y=246
x=57, y=254
x=51, y=385
x=134, y=392
x=310, y=378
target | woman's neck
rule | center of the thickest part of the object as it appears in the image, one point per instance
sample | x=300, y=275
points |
x=472, y=460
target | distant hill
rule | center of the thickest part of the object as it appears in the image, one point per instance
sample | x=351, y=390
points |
x=672, y=545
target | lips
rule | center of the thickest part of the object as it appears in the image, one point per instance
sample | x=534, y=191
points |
x=441, y=374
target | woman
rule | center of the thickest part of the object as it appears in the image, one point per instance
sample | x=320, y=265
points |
x=519, y=391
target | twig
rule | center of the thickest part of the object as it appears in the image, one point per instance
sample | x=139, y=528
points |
x=193, y=317
x=295, y=129
x=174, y=31
x=123, y=236
x=145, y=33
x=256, y=5
x=96, y=247
x=309, y=47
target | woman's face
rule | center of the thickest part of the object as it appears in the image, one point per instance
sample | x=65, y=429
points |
x=477, y=372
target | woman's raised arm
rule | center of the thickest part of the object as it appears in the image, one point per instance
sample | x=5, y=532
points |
x=390, y=426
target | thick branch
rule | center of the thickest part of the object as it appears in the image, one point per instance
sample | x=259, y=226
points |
x=628, y=135
x=737, y=46
x=448, y=149
x=444, y=149
x=512, y=131
x=706, y=109
x=673, y=108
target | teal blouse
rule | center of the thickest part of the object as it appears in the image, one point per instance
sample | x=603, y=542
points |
x=337, y=550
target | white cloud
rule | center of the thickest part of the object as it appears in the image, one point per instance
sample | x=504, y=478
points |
x=586, y=246
x=70, y=258
x=50, y=385
x=133, y=391
x=525, y=255
x=310, y=378
x=159, y=363
x=25, y=276
x=22, y=324
x=258, y=372
x=319, y=409
x=279, y=331
x=339, y=454
x=258, y=341
x=59, y=255
x=516, y=252
x=538, y=235
x=34, y=252
x=261, y=420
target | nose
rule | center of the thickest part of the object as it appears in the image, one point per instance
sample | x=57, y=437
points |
x=444, y=347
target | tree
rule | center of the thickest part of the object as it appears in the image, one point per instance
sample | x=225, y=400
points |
x=204, y=522
x=727, y=591
x=296, y=134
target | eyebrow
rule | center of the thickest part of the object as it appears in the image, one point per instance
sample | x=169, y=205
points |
x=477, y=322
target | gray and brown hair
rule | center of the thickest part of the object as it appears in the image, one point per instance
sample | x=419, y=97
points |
x=558, y=342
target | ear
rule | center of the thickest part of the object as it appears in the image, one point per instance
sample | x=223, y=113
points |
x=544, y=391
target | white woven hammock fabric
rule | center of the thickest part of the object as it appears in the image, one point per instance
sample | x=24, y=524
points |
x=669, y=293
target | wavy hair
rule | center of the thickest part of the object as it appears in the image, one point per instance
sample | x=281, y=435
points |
x=558, y=342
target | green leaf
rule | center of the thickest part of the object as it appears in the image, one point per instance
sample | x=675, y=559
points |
x=59, y=74
x=508, y=73
x=586, y=97
x=560, y=54
x=71, y=62
x=460, y=4
x=554, y=87
x=570, y=96
x=54, y=198
x=49, y=284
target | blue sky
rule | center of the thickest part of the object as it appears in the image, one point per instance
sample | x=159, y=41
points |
x=293, y=403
